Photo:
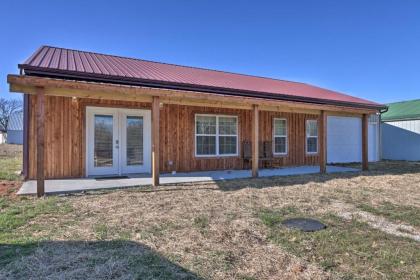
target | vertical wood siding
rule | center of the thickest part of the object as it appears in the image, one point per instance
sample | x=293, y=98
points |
x=65, y=136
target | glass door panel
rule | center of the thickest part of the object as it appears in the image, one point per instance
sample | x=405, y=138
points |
x=118, y=141
x=103, y=140
x=135, y=141
x=134, y=130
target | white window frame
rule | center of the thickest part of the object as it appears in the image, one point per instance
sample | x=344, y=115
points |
x=217, y=135
x=307, y=136
x=285, y=136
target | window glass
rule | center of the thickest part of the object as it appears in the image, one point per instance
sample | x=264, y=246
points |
x=134, y=152
x=206, y=145
x=227, y=145
x=312, y=145
x=280, y=127
x=206, y=124
x=311, y=128
x=216, y=135
x=103, y=137
x=280, y=145
x=280, y=136
x=311, y=136
x=227, y=126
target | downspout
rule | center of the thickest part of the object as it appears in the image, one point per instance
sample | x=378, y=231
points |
x=382, y=111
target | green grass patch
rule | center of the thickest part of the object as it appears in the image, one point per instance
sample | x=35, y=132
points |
x=9, y=166
x=101, y=231
x=201, y=222
x=272, y=218
x=393, y=212
x=15, y=214
x=348, y=249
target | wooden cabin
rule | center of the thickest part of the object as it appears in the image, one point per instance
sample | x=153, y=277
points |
x=89, y=114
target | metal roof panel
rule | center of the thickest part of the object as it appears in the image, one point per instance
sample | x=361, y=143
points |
x=405, y=110
x=87, y=64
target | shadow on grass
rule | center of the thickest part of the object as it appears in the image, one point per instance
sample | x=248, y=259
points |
x=87, y=260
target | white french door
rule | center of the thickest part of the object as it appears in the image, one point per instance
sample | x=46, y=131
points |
x=118, y=141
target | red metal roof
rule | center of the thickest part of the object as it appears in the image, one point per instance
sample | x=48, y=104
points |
x=73, y=63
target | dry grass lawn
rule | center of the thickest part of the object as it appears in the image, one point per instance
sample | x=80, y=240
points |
x=10, y=162
x=224, y=230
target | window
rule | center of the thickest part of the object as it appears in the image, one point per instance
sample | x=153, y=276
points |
x=311, y=137
x=216, y=135
x=280, y=136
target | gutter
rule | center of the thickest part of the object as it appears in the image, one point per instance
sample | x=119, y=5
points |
x=35, y=71
x=383, y=111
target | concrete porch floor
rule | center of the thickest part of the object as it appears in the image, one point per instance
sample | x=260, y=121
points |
x=86, y=184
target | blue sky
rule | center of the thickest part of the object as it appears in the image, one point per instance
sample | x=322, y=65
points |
x=369, y=49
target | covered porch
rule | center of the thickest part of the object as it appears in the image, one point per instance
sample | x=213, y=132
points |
x=156, y=100
x=57, y=186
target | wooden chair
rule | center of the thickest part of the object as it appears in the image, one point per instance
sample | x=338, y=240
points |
x=265, y=151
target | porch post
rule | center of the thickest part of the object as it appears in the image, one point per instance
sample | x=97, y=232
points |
x=155, y=140
x=365, y=139
x=255, y=156
x=323, y=142
x=40, y=142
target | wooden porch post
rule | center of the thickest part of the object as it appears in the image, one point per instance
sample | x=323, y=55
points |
x=323, y=142
x=365, y=139
x=255, y=156
x=40, y=142
x=155, y=140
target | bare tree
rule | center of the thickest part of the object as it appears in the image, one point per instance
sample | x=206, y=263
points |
x=7, y=108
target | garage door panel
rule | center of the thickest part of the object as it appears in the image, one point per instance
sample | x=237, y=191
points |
x=344, y=139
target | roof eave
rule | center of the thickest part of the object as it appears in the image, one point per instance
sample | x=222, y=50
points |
x=57, y=73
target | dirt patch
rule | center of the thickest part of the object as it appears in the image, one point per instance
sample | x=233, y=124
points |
x=348, y=211
x=9, y=188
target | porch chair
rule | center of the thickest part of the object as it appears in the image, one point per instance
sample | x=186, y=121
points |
x=264, y=150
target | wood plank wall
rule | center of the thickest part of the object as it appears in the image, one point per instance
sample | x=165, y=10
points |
x=65, y=136
x=296, y=137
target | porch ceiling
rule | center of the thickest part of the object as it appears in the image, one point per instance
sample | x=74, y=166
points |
x=83, y=89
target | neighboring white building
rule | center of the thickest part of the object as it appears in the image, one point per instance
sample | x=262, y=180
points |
x=2, y=137
x=401, y=131
x=344, y=139
x=15, y=129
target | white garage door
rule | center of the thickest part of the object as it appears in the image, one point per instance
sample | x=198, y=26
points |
x=344, y=140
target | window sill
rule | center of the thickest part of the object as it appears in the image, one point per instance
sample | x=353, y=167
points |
x=280, y=155
x=215, y=156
